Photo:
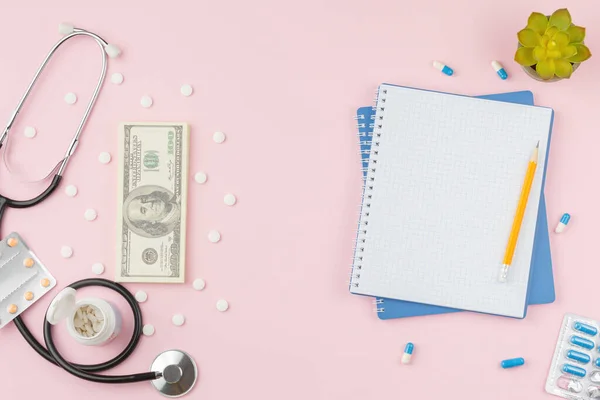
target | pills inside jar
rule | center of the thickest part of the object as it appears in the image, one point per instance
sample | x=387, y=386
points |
x=88, y=321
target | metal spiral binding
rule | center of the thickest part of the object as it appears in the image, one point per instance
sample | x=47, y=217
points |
x=369, y=184
x=379, y=308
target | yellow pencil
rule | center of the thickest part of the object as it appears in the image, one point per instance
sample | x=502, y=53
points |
x=516, y=227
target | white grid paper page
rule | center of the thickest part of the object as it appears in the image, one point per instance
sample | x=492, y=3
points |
x=449, y=173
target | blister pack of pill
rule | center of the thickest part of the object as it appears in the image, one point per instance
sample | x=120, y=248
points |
x=575, y=370
x=23, y=278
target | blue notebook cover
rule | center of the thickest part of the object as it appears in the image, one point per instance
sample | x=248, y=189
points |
x=541, y=288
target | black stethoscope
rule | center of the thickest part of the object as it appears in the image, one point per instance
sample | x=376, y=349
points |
x=173, y=372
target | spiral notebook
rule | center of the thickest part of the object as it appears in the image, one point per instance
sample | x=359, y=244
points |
x=445, y=172
x=541, y=289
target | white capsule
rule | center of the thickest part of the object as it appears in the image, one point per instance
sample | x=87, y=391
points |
x=222, y=305
x=199, y=284
x=104, y=157
x=148, y=330
x=200, y=177
x=71, y=190
x=66, y=251
x=98, y=268
x=214, y=236
x=186, y=90
x=229, y=199
x=219, y=137
x=141, y=296
x=29, y=132
x=90, y=214
x=178, y=319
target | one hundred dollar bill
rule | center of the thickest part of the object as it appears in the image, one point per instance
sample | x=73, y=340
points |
x=152, y=202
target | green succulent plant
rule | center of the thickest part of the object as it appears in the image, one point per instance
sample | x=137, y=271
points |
x=552, y=45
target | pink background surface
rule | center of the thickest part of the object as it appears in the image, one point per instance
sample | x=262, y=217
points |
x=283, y=81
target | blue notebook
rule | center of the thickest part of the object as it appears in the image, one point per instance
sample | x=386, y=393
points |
x=541, y=289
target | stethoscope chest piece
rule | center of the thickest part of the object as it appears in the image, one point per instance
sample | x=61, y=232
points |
x=179, y=373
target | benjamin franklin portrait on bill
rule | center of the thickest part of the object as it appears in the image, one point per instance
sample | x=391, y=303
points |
x=151, y=211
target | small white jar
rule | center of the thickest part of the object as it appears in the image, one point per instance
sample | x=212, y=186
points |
x=65, y=307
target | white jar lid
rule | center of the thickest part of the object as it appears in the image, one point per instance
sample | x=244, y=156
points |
x=62, y=306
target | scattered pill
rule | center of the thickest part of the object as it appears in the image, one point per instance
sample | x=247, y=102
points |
x=214, y=236
x=90, y=214
x=98, y=268
x=585, y=328
x=141, y=296
x=12, y=242
x=222, y=305
x=71, y=190
x=28, y=296
x=199, y=284
x=581, y=342
x=104, y=157
x=229, y=199
x=12, y=308
x=178, y=319
x=408, y=350
x=444, y=68
x=187, y=90
x=66, y=251
x=148, y=330
x=573, y=370
x=70, y=98
x=146, y=101
x=200, y=177
x=570, y=384
x=45, y=282
x=116, y=78
x=499, y=70
x=219, y=137
x=579, y=356
x=564, y=220
x=29, y=132
x=28, y=262
x=512, y=362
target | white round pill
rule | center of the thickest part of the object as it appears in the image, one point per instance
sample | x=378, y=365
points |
x=71, y=190
x=66, y=251
x=90, y=214
x=222, y=305
x=98, y=268
x=116, y=78
x=104, y=157
x=148, y=330
x=214, y=236
x=141, y=296
x=29, y=132
x=178, y=319
x=229, y=199
x=70, y=98
x=146, y=101
x=186, y=90
x=219, y=137
x=200, y=177
x=199, y=284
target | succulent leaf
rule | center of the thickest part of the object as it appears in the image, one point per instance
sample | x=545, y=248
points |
x=561, y=39
x=568, y=51
x=545, y=69
x=524, y=56
x=537, y=22
x=539, y=53
x=576, y=33
x=551, y=31
x=561, y=19
x=563, y=68
x=583, y=53
x=529, y=38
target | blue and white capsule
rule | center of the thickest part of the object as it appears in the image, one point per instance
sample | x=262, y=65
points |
x=408, y=350
x=442, y=67
x=564, y=220
x=499, y=70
